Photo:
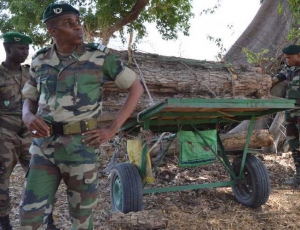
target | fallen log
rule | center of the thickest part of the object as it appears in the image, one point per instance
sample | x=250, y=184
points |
x=277, y=127
x=230, y=141
x=173, y=77
x=236, y=141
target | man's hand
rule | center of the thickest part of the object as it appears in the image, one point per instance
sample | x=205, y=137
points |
x=103, y=134
x=98, y=136
x=36, y=125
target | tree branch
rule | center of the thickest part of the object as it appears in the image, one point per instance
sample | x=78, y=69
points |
x=133, y=15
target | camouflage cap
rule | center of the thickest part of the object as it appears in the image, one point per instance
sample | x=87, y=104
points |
x=56, y=9
x=291, y=49
x=16, y=37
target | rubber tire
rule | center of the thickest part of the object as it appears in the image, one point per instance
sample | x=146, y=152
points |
x=126, y=190
x=254, y=188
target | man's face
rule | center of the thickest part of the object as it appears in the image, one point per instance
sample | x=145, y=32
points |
x=17, y=52
x=67, y=30
x=292, y=60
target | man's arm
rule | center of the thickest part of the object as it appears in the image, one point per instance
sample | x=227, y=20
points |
x=33, y=122
x=281, y=76
x=103, y=134
x=135, y=92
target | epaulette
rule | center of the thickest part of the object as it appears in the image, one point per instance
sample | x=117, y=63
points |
x=43, y=50
x=98, y=46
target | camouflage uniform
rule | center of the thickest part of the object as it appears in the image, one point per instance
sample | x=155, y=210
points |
x=292, y=117
x=68, y=90
x=14, y=136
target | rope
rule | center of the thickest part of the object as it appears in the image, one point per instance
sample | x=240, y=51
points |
x=144, y=82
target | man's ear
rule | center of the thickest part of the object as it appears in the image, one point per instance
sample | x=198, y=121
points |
x=52, y=31
x=7, y=48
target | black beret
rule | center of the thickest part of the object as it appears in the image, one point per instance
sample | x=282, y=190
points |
x=56, y=9
x=291, y=49
x=16, y=37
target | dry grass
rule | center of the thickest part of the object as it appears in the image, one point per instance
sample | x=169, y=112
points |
x=214, y=208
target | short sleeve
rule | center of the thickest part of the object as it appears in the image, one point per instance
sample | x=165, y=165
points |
x=114, y=70
x=30, y=90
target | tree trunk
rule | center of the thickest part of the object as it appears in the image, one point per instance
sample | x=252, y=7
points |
x=278, y=131
x=261, y=123
x=236, y=141
x=231, y=142
x=277, y=128
x=168, y=77
x=268, y=30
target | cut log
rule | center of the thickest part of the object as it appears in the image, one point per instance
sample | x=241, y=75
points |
x=236, y=141
x=170, y=77
x=277, y=128
x=233, y=141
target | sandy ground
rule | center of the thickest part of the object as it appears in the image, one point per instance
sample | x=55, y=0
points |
x=214, y=208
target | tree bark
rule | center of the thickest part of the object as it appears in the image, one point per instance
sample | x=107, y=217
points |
x=231, y=142
x=167, y=77
x=275, y=126
x=236, y=141
x=268, y=30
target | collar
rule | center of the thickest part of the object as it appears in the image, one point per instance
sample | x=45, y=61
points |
x=78, y=51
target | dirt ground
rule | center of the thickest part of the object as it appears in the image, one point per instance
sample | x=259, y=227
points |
x=214, y=208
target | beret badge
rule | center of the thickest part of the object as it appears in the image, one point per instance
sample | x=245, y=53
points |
x=57, y=10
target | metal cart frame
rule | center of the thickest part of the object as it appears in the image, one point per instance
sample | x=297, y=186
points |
x=248, y=175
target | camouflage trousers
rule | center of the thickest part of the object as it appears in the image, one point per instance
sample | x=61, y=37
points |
x=13, y=149
x=55, y=159
x=292, y=121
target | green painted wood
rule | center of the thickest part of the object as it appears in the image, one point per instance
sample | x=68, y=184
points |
x=174, y=111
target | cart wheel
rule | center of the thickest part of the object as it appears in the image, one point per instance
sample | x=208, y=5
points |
x=254, y=188
x=126, y=188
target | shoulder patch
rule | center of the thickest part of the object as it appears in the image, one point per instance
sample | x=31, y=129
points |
x=98, y=46
x=43, y=50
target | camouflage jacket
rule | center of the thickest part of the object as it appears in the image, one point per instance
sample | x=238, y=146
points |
x=71, y=90
x=11, y=98
x=292, y=75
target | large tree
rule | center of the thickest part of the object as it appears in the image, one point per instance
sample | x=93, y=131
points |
x=101, y=18
x=275, y=25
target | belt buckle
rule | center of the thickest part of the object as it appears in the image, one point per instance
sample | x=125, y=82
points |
x=50, y=125
x=84, y=126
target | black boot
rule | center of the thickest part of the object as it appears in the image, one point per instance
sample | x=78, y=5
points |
x=5, y=223
x=295, y=181
x=50, y=225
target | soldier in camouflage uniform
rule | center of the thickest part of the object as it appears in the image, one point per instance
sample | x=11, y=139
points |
x=291, y=73
x=15, y=139
x=14, y=136
x=66, y=82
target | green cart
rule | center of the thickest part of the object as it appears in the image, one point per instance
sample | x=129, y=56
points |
x=249, y=177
